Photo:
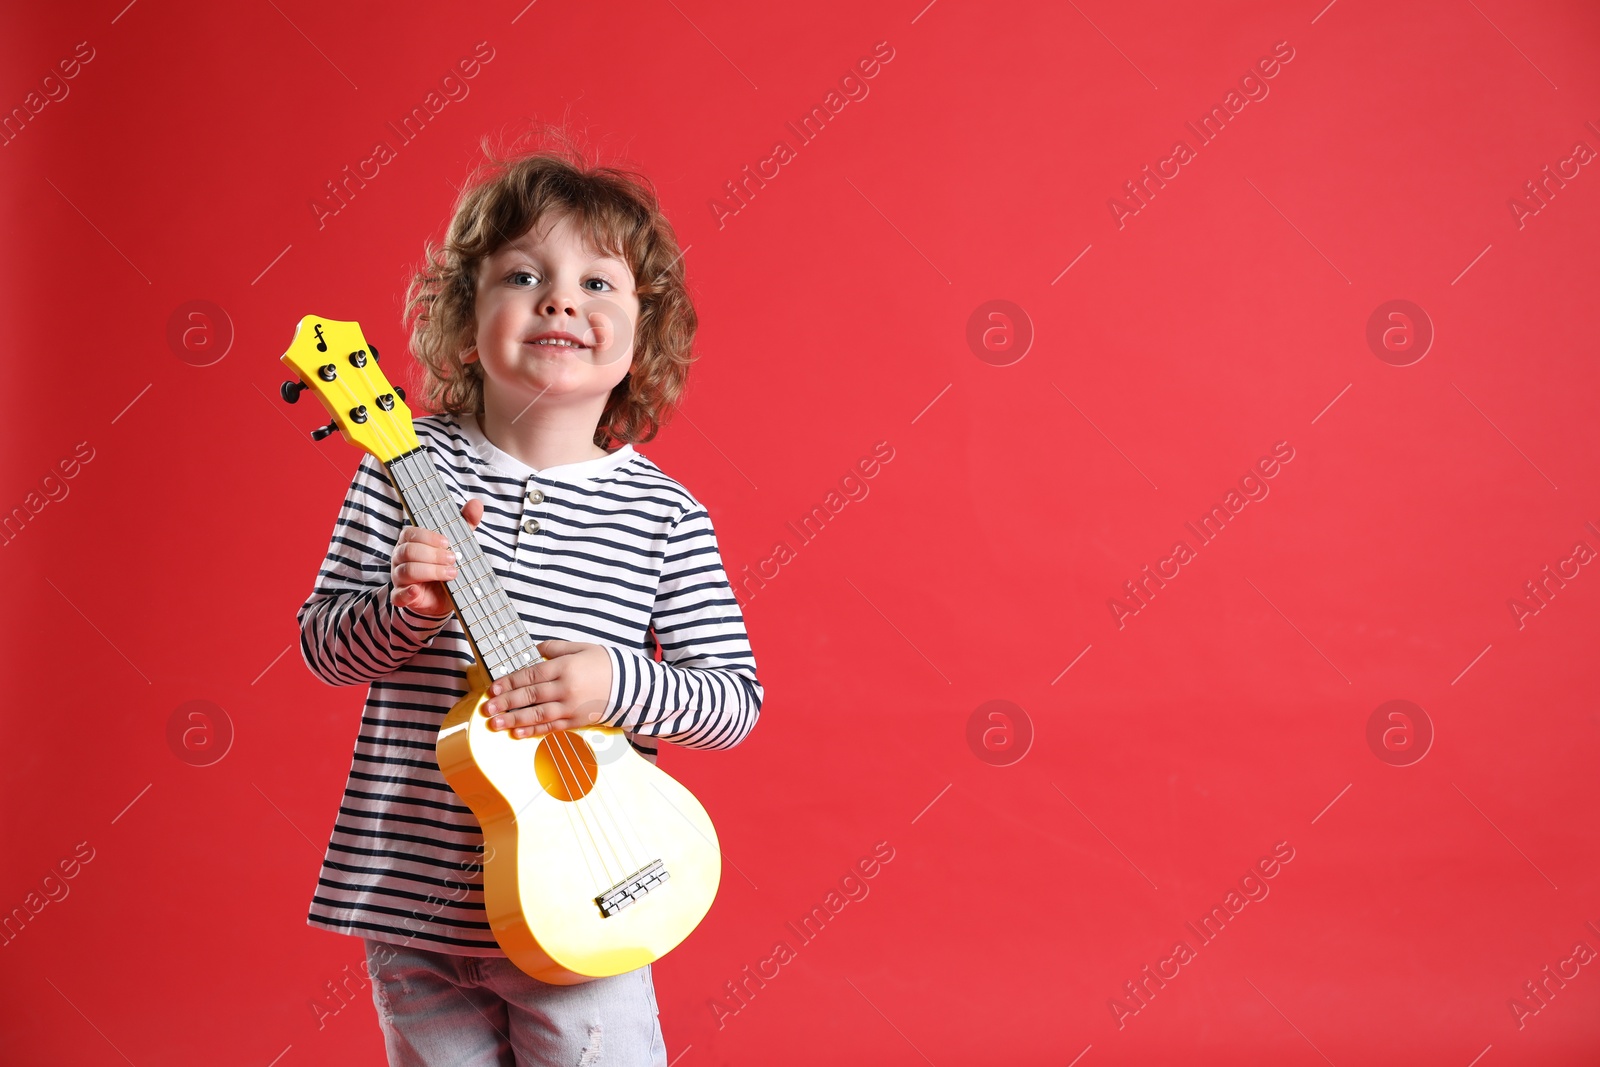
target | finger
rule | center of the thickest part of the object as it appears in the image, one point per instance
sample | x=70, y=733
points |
x=524, y=696
x=472, y=511
x=561, y=715
x=414, y=571
x=424, y=546
x=525, y=722
x=569, y=720
x=424, y=552
x=516, y=721
x=412, y=596
x=552, y=716
x=419, y=573
x=422, y=533
x=543, y=671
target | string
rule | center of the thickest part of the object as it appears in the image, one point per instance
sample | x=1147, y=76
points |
x=569, y=781
x=624, y=825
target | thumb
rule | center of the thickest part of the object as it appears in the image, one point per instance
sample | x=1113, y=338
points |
x=551, y=649
x=472, y=511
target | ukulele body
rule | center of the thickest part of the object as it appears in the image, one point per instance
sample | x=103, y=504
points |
x=567, y=816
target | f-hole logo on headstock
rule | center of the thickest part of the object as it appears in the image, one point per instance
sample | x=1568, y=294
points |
x=322, y=343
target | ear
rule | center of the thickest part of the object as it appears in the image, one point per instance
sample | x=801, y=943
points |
x=470, y=355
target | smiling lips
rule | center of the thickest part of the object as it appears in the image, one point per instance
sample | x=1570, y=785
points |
x=556, y=339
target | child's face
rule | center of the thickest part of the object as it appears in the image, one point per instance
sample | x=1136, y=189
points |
x=550, y=280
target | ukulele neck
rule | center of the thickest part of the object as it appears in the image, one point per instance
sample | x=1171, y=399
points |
x=492, y=624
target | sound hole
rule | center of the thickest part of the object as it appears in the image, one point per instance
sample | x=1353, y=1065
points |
x=566, y=766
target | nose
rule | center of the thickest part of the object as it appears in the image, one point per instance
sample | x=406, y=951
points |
x=560, y=299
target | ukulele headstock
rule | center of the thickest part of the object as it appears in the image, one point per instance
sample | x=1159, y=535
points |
x=334, y=361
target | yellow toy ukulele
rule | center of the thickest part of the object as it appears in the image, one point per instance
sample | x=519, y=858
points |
x=596, y=861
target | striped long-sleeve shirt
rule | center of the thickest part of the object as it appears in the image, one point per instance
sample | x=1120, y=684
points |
x=609, y=551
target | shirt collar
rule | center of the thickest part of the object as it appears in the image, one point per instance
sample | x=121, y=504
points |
x=505, y=463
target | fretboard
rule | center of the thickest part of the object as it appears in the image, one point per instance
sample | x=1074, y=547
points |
x=492, y=624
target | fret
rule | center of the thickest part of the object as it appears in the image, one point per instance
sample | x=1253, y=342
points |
x=493, y=625
x=495, y=635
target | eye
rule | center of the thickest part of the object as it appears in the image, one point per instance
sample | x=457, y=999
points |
x=514, y=275
x=603, y=282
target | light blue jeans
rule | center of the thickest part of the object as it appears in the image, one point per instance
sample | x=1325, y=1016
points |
x=438, y=1009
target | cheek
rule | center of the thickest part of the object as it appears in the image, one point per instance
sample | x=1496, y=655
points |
x=625, y=336
x=498, y=320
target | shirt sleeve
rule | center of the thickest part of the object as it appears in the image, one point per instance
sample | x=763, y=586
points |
x=704, y=692
x=351, y=632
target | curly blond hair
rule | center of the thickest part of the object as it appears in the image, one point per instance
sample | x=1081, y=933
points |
x=617, y=211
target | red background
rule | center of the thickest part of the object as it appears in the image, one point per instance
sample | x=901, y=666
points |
x=1227, y=315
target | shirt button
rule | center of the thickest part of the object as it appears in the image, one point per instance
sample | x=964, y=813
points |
x=535, y=496
x=531, y=526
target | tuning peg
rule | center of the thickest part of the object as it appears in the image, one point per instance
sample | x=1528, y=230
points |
x=399, y=392
x=323, y=431
x=374, y=350
x=290, y=391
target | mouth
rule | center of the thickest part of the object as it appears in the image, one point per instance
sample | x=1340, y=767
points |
x=557, y=339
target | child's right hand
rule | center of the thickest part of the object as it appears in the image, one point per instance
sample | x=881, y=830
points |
x=422, y=562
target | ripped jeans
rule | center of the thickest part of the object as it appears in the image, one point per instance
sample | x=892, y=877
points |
x=438, y=1008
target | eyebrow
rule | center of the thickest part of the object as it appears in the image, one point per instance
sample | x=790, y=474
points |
x=595, y=254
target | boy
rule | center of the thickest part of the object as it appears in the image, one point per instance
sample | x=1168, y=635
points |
x=555, y=330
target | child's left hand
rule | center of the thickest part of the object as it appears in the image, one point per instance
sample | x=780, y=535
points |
x=568, y=689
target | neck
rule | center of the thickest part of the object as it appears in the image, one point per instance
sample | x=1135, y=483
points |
x=541, y=434
x=490, y=621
